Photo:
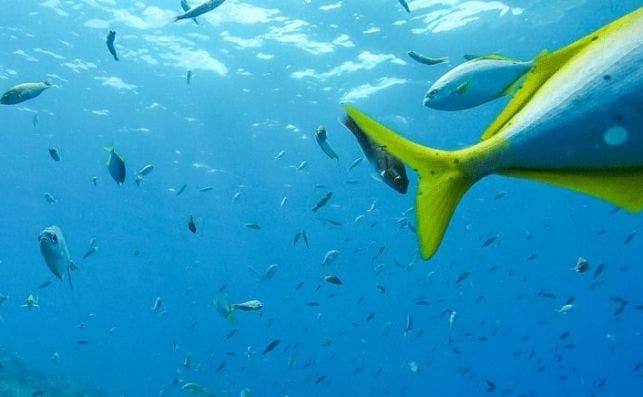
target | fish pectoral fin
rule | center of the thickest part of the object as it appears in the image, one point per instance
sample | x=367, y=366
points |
x=464, y=87
x=622, y=187
x=73, y=266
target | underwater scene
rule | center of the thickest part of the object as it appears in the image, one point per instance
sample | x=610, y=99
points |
x=321, y=198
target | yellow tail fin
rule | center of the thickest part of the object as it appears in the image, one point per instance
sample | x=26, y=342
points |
x=442, y=181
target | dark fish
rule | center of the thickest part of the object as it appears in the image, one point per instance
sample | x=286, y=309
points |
x=253, y=226
x=82, y=342
x=638, y=307
x=320, y=379
x=405, y=5
x=333, y=279
x=379, y=252
x=370, y=316
x=490, y=386
x=38, y=393
x=599, y=270
x=381, y=288
x=461, y=277
x=422, y=302
x=323, y=201
x=110, y=44
x=570, y=300
x=221, y=366
x=230, y=334
x=188, y=76
x=564, y=335
x=331, y=221
x=299, y=285
x=500, y=195
x=389, y=167
x=191, y=224
x=181, y=189
x=630, y=237
x=53, y=152
x=619, y=310
x=296, y=238
x=45, y=284
x=116, y=165
x=305, y=237
x=313, y=304
x=544, y=294
x=271, y=346
x=489, y=241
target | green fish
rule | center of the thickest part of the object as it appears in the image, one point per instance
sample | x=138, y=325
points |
x=575, y=123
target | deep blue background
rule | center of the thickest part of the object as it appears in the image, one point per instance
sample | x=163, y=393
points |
x=235, y=124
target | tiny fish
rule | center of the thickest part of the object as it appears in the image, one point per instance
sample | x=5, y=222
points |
x=565, y=309
x=330, y=257
x=408, y=327
x=490, y=386
x=54, y=153
x=332, y=279
x=599, y=270
x=355, y=163
x=280, y=155
x=111, y=36
x=34, y=120
x=313, y=304
x=270, y=272
x=381, y=289
x=45, y=284
x=271, y=346
x=629, y=237
x=230, y=334
x=370, y=316
x=191, y=224
x=462, y=277
x=253, y=226
x=206, y=189
x=582, y=265
x=92, y=248
x=323, y=201
x=283, y=202
x=302, y=165
x=321, y=138
x=489, y=241
x=330, y=221
x=421, y=58
x=188, y=76
x=181, y=189
x=50, y=199
x=201, y=9
x=82, y=342
x=377, y=255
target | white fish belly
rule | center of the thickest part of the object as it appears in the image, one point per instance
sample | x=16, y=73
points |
x=589, y=114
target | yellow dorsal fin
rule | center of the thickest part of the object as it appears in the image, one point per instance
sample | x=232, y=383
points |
x=546, y=64
x=622, y=187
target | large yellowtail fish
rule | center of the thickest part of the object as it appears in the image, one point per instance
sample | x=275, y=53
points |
x=577, y=122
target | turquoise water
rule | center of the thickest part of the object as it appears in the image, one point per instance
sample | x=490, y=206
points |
x=265, y=75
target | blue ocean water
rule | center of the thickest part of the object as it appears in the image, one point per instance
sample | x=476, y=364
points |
x=265, y=75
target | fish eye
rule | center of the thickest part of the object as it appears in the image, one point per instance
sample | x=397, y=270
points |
x=54, y=238
x=433, y=92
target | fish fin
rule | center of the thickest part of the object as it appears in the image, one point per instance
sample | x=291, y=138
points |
x=498, y=57
x=464, y=87
x=73, y=266
x=547, y=64
x=622, y=187
x=109, y=148
x=442, y=182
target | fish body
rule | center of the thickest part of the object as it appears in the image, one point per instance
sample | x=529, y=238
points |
x=116, y=165
x=323, y=201
x=251, y=305
x=421, y=58
x=191, y=224
x=23, y=92
x=54, y=153
x=576, y=122
x=270, y=272
x=188, y=76
x=330, y=257
x=195, y=388
x=333, y=279
x=53, y=248
x=92, y=248
x=271, y=346
x=201, y=9
x=31, y=302
x=475, y=82
x=50, y=199
x=389, y=167
x=186, y=7
x=322, y=140
x=111, y=36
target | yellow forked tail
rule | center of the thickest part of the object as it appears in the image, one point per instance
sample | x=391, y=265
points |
x=442, y=181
